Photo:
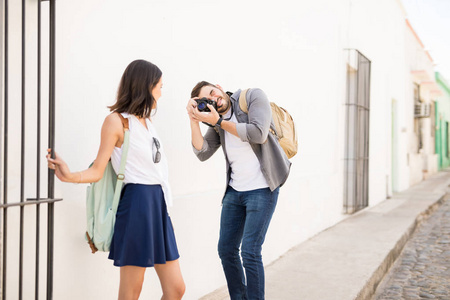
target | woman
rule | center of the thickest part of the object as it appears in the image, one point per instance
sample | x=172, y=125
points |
x=143, y=233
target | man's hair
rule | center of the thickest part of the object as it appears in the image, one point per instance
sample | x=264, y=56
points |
x=134, y=95
x=196, y=90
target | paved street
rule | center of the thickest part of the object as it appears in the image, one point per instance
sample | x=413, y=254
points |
x=348, y=260
x=422, y=271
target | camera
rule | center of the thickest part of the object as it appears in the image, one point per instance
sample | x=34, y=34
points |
x=202, y=104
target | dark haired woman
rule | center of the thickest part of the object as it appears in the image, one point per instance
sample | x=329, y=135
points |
x=143, y=233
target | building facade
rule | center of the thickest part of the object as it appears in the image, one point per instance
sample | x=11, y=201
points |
x=421, y=93
x=347, y=71
x=442, y=122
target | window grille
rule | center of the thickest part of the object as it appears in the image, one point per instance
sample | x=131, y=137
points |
x=420, y=110
x=9, y=120
x=357, y=132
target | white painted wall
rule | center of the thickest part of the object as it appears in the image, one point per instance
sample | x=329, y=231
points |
x=376, y=29
x=293, y=50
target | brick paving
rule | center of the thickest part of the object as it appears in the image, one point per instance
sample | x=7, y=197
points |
x=422, y=271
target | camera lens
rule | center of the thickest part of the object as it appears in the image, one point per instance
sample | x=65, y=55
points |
x=201, y=106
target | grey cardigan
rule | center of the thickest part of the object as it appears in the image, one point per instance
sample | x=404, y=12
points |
x=254, y=129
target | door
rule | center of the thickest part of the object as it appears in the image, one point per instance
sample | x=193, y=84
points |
x=394, y=148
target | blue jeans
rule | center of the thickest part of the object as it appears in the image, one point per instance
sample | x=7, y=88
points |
x=245, y=218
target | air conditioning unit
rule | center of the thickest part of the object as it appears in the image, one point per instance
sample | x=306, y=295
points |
x=422, y=110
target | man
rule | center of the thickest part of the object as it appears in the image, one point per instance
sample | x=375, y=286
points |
x=256, y=167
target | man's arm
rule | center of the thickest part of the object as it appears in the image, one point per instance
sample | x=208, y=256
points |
x=230, y=127
x=204, y=147
x=196, y=135
x=259, y=118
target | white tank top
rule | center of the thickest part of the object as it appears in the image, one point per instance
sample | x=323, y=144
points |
x=140, y=167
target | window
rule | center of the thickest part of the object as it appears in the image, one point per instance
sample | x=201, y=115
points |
x=417, y=121
x=356, y=158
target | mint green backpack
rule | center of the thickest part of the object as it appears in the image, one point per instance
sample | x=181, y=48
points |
x=102, y=200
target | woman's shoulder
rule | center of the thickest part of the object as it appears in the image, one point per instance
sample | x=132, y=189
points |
x=113, y=122
x=113, y=117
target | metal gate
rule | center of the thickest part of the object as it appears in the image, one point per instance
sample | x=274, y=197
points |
x=356, y=177
x=28, y=94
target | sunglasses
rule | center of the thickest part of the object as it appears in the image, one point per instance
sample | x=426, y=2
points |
x=157, y=156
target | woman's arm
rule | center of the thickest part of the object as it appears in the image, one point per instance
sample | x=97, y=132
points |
x=111, y=136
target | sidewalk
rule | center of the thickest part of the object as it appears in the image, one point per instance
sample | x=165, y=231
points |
x=348, y=260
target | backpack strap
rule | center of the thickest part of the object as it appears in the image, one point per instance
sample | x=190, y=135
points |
x=123, y=161
x=124, y=122
x=243, y=101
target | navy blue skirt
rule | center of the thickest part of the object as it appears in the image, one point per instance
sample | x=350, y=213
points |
x=143, y=233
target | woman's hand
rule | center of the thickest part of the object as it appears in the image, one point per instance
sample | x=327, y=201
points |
x=61, y=169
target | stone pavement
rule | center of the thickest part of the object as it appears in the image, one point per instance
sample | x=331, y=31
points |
x=423, y=269
x=349, y=260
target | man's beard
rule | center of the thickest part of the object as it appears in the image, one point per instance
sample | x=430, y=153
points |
x=225, y=105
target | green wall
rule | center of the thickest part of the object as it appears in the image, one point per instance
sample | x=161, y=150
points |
x=442, y=110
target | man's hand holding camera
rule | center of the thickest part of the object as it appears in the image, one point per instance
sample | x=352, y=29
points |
x=203, y=110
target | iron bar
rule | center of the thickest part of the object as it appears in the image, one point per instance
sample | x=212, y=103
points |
x=30, y=202
x=51, y=179
x=358, y=137
x=22, y=155
x=357, y=105
x=5, y=153
x=347, y=134
x=355, y=144
x=356, y=158
x=369, y=66
x=51, y=120
x=38, y=152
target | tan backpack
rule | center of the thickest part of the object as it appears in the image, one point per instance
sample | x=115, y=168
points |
x=284, y=125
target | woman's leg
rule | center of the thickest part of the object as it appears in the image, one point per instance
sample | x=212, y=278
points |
x=131, y=279
x=172, y=282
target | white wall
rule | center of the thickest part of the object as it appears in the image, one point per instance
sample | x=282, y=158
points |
x=376, y=29
x=293, y=50
x=296, y=66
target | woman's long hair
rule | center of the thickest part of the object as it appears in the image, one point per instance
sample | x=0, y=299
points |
x=134, y=95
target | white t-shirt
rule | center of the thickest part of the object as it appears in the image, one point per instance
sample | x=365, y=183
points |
x=246, y=172
x=140, y=167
